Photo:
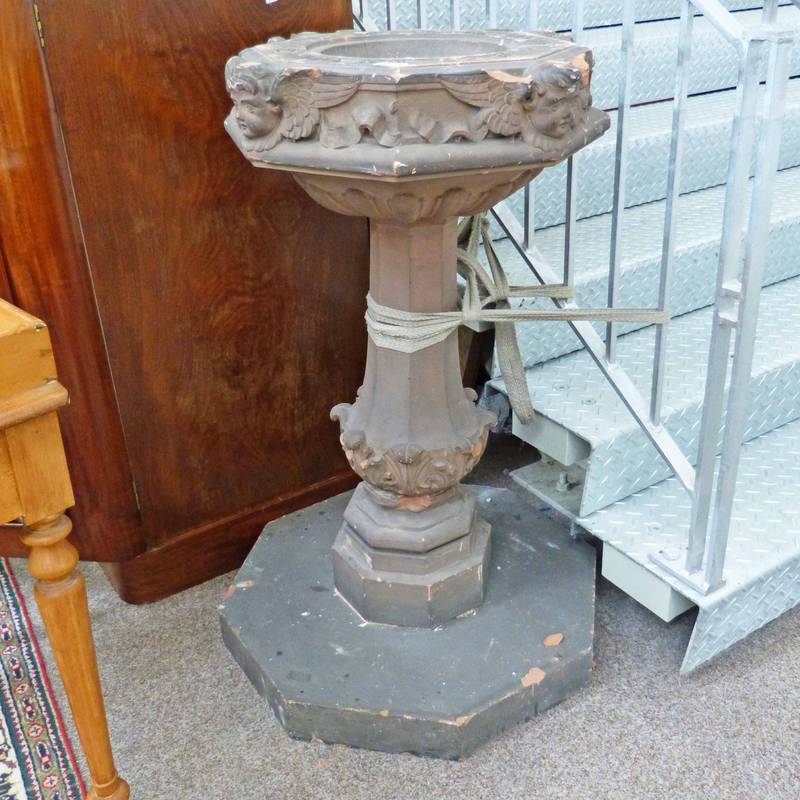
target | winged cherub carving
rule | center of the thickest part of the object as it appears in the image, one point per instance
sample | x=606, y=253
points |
x=270, y=107
x=542, y=108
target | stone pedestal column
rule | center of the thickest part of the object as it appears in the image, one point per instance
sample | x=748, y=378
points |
x=412, y=129
x=412, y=549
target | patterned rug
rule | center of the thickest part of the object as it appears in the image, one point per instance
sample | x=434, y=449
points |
x=36, y=760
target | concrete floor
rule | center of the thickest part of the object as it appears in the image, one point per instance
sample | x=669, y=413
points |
x=186, y=724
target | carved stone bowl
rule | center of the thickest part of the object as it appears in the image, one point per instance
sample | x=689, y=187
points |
x=460, y=118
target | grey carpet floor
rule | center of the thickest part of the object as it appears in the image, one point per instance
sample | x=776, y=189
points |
x=187, y=725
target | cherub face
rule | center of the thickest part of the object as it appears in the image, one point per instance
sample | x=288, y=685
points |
x=554, y=110
x=256, y=116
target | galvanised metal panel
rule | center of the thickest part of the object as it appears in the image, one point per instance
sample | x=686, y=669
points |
x=762, y=568
x=697, y=254
x=709, y=120
x=571, y=392
x=714, y=62
x=551, y=14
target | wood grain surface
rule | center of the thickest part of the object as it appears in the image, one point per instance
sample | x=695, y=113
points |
x=44, y=271
x=232, y=305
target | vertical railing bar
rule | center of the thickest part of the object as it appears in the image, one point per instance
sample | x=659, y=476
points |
x=742, y=138
x=363, y=18
x=770, y=134
x=391, y=14
x=671, y=211
x=527, y=213
x=422, y=13
x=528, y=220
x=769, y=15
x=569, y=224
x=533, y=15
x=615, y=254
x=455, y=14
x=572, y=175
x=578, y=16
x=491, y=13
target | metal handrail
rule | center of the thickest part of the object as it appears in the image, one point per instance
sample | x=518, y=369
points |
x=738, y=284
x=740, y=270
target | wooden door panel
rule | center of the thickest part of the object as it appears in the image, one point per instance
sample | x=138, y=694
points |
x=232, y=305
x=46, y=274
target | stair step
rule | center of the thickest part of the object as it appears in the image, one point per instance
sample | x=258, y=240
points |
x=714, y=62
x=762, y=567
x=573, y=399
x=552, y=14
x=695, y=265
x=709, y=119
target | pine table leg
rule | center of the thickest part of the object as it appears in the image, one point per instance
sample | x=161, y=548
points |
x=61, y=596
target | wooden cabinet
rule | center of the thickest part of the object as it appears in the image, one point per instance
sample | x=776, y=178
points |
x=205, y=315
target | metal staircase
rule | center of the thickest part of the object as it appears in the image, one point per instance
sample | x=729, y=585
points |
x=600, y=467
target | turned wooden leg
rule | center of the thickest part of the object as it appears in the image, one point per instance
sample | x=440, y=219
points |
x=61, y=596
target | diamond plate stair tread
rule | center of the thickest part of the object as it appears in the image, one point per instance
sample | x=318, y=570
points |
x=765, y=525
x=696, y=259
x=552, y=14
x=714, y=63
x=708, y=127
x=572, y=392
x=719, y=626
x=762, y=568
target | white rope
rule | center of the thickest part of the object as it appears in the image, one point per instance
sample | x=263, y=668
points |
x=411, y=331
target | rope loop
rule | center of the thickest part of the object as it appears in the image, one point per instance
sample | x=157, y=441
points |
x=486, y=299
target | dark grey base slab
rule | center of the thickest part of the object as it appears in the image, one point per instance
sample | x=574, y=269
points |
x=329, y=675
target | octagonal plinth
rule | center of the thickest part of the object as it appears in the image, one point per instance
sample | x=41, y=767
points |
x=329, y=675
x=438, y=575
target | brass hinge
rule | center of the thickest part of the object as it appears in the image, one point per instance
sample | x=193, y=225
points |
x=38, y=17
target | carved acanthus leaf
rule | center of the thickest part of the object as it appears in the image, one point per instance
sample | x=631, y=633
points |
x=410, y=470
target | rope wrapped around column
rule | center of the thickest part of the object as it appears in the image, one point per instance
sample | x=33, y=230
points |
x=486, y=299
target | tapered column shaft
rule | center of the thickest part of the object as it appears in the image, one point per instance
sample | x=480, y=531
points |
x=414, y=398
x=412, y=550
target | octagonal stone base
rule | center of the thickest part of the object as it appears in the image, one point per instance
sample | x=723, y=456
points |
x=329, y=675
